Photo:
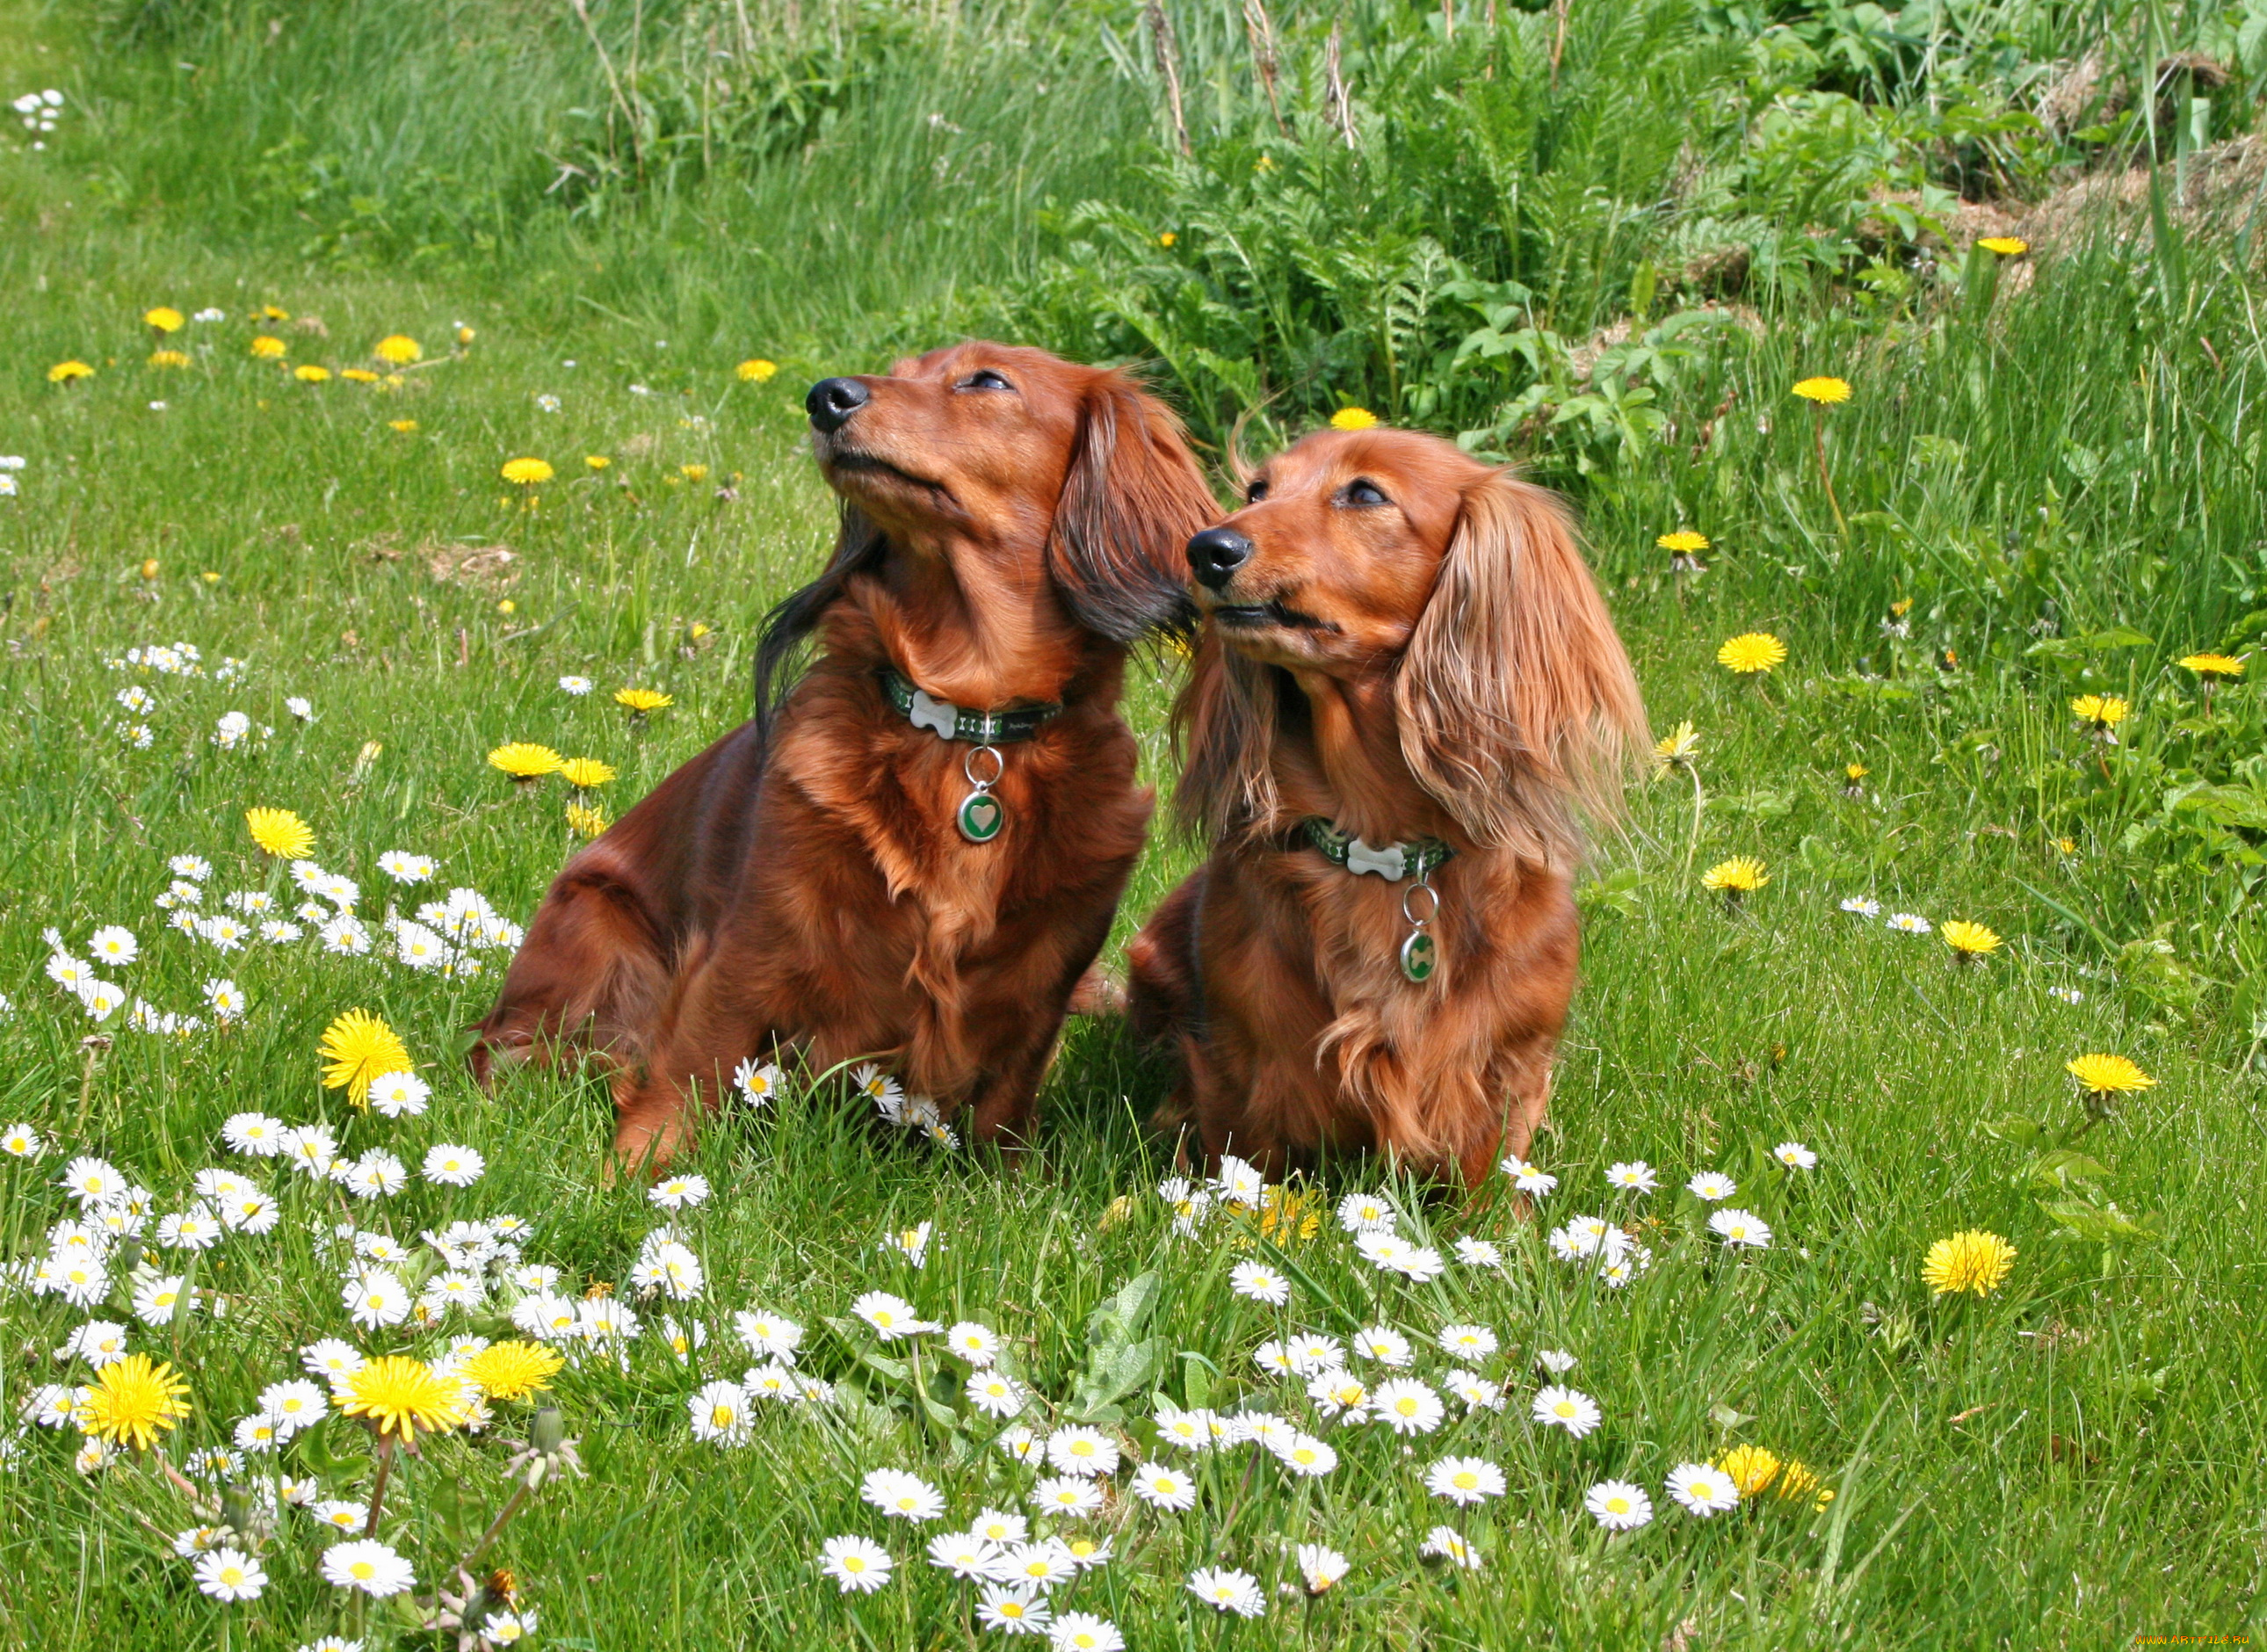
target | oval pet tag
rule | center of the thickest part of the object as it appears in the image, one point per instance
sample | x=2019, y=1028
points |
x=981, y=816
x=1417, y=957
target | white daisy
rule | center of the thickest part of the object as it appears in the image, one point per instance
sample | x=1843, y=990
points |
x=1796, y=1156
x=451, y=1165
x=1703, y=1489
x=1068, y=1495
x=902, y=1497
x=768, y=1334
x=1618, y=1506
x=1567, y=1408
x=1712, y=1185
x=978, y=1344
x=1087, y=1452
x=1445, y=1543
x=1259, y=1282
x=1163, y=1488
x=719, y=1413
x=1740, y=1228
x=1228, y=1590
x=859, y=1566
x=962, y=1553
x=891, y=1317
x=1384, y=1345
x=1464, y=1481
x=1363, y=1213
x=1012, y=1611
x=400, y=1094
x=1408, y=1406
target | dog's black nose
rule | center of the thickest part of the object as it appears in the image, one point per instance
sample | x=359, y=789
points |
x=1215, y=554
x=832, y=400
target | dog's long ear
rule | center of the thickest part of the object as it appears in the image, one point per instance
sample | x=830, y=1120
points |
x=857, y=546
x=1518, y=709
x=1224, y=724
x=1132, y=497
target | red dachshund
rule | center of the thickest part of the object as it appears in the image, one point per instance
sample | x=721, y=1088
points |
x=916, y=855
x=1406, y=693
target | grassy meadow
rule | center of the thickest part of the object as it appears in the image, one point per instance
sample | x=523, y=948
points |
x=636, y=242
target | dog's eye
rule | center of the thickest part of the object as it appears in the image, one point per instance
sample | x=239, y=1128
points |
x=1256, y=491
x=1362, y=491
x=984, y=378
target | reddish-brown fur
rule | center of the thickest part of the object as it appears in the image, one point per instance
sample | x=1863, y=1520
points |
x=804, y=886
x=1446, y=669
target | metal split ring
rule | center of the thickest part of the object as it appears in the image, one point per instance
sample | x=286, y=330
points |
x=968, y=766
x=1431, y=909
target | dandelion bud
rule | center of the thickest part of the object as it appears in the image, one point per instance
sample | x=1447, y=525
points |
x=548, y=1431
x=236, y=1510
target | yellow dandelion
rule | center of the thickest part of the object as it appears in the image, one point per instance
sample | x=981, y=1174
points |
x=584, y=772
x=1855, y=772
x=308, y=373
x=511, y=1370
x=597, y=461
x=466, y=335
x=268, y=347
x=756, y=370
x=131, y=1402
x=694, y=473
x=1752, y=651
x=280, y=833
x=1902, y=606
x=2107, y=1075
x=149, y=568
x=1353, y=419
x=358, y=375
x=525, y=472
x=169, y=358
x=641, y=700
x=357, y=1050
x=397, y=1395
x=2104, y=711
x=1679, y=748
x=1741, y=874
x=2005, y=246
x=2213, y=664
x=1166, y=237
x=1969, y=940
x=1751, y=1468
x=164, y=318
x=405, y=426
x=586, y=821
x=1798, y=1480
x=398, y=349
x=68, y=372
x=1823, y=391
x=273, y=312
x=1684, y=541
x=1975, y=1261
x=524, y=760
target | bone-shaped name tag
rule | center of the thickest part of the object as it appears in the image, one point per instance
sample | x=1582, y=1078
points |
x=1388, y=863
x=935, y=714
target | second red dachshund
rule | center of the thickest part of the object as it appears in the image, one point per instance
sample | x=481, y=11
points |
x=1406, y=696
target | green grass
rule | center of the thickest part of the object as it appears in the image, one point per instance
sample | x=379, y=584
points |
x=2073, y=1461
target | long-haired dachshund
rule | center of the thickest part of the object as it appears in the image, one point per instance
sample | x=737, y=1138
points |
x=1406, y=696
x=915, y=854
